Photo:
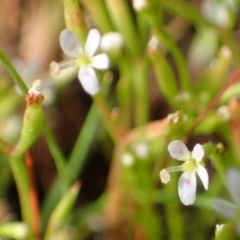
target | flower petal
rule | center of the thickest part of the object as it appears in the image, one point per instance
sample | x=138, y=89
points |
x=203, y=175
x=178, y=150
x=198, y=152
x=88, y=79
x=93, y=41
x=225, y=208
x=233, y=180
x=187, y=185
x=69, y=43
x=100, y=61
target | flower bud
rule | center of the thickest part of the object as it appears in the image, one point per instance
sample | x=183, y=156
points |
x=32, y=121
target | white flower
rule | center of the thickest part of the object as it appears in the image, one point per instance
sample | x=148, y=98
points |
x=216, y=12
x=127, y=159
x=219, y=228
x=141, y=149
x=187, y=183
x=139, y=5
x=83, y=57
x=153, y=43
x=111, y=41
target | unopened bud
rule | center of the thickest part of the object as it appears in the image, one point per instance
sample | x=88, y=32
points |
x=32, y=121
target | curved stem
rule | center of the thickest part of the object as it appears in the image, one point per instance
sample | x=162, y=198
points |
x=21, y=177
x=12, y=71
x=214, y=102
x=106, y=116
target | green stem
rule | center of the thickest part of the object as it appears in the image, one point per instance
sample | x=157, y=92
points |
x=187, y=10
x=121, y=16
x=214, y=102
x=175, y=220
x=57, y=154
x=62, y=211
x=180, y=61
x=105, y=112
x=84, y=141
x=124, y=93
x=166, y=39
x=54, y=148
x=12, y=71
x=216, y=159
x=140, y=89
x=75, y=20
x=21, y=177
x=164, y=75
x=98, y=12
x=77, y=159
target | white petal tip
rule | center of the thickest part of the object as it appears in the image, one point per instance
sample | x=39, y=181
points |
x=69, y=43
x=178, y=150
x=89, y=81
x=92, y=42
x=100, y=61
x=187, y=185
x=198, y=152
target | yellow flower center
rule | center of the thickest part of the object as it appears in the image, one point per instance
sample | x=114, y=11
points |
x=84, y=60
x=190, y=165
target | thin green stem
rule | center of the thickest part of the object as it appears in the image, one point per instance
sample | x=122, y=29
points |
x=120, y=14
x=124, y=93
x=57, y=154
x=180, y=61
x=187, y=10
x=62, y=210
x=175, y=219
x=21, y=177
x=170, y=44
x=105, y=112
x=140, y=89
x=12, y=71
x=216, y=159
x=55, y=150
x=214, y=102
x=77, y=159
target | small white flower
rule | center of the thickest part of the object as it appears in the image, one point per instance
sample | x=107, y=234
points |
x=216, y=12
x=153, y=43
x=187, y=183
x=219, y=228
x=127, y=159
x=83, y=57
x=111, y=41
x=141, y=149
x=139, y=5
x=224, y=113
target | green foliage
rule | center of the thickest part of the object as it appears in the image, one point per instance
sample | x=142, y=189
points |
x=172, y=75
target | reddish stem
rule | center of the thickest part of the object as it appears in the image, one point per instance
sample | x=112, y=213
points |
x=33, y=197
x=214, y=102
